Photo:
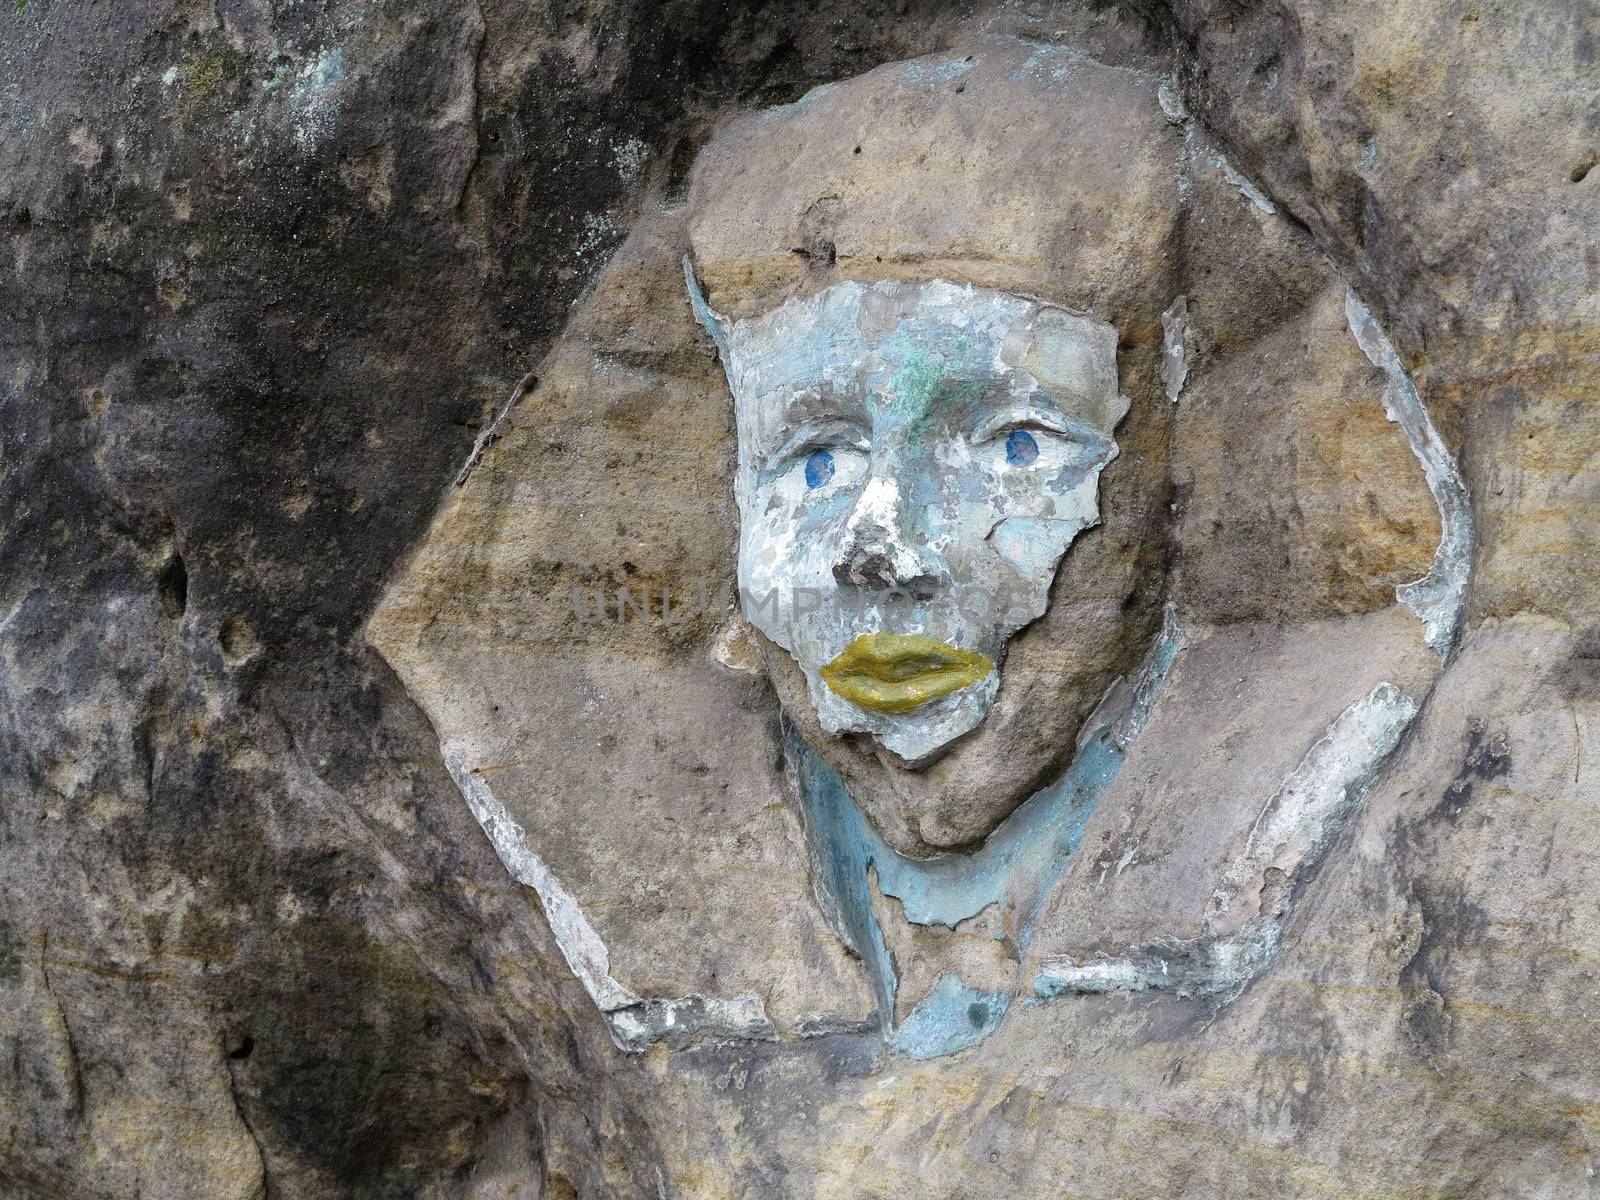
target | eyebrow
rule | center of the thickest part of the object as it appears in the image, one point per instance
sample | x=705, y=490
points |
x=1041, y=413
x=814, y=431
x=808, y=412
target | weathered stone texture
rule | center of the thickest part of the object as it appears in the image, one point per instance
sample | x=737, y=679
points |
x=270, y=273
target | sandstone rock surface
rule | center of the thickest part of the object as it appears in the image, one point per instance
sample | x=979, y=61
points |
x=350, y=337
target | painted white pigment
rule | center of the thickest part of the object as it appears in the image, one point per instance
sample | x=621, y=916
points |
x=1175, y=347
x=928, y=522
x=636, y=1022
x=1244, y=925
x=1439, y=598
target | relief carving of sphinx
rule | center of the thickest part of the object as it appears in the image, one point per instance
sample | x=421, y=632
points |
x=966, y=554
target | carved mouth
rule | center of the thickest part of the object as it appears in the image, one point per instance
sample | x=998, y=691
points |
x=895, y=673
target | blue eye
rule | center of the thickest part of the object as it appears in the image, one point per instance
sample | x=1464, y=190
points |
x=1021, y=449
x=819, y=468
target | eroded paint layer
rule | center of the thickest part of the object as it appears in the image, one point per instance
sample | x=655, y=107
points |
x=952, y=1018
x=1175, y=347
x=585, y=953
x=842, y=847
x=636, y=1022
x=1439, y=597
x=690, y=1020
x=1246, y=189
x=914, y=459
x=1312, y=808
x=1251, y=906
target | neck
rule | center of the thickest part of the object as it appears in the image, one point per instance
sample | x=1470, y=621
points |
x=1014, y=868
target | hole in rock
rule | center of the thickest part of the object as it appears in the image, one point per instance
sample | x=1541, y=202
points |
x=241, y=1049
x=678, y=165
x=238, y=641
x=818, y=252
x=173, y=586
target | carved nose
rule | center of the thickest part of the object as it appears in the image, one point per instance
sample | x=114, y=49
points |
x=875, y=552
x=868, y=566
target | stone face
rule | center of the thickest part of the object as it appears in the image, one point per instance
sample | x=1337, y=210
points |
x=913, y=461
x=272, y=282
x=849, y=175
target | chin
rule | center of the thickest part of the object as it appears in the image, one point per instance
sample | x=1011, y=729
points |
x=913, y=741
x=949, y=800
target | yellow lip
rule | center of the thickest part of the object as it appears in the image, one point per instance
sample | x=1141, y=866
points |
x=895, y=673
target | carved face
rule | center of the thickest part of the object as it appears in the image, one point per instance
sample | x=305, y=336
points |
x=914, y=459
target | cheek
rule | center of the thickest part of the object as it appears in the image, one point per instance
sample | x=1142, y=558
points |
x=1032, y=546
x=982, y=492
x=990, y=475
x=1029, y=524
x=787, y=536
x=1055, y=477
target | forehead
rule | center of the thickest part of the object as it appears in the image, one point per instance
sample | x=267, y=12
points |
x=889, y=346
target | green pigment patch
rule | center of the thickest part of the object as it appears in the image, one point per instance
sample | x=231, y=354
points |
x=915, y=387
